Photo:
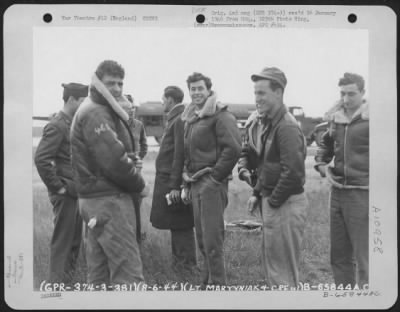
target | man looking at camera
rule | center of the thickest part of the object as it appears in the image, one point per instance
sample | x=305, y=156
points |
x=212, y=148
x=347, y=143
x=105, y=176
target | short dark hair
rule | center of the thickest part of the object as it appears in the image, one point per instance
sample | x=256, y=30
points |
x=175, y=93
x=109, y=67
x=197, y=77
x=129, y=98
x=350, y=78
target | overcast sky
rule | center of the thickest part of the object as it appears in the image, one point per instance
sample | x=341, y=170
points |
x=313, y=61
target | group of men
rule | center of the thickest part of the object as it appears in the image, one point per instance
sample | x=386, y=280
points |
x=90, y=158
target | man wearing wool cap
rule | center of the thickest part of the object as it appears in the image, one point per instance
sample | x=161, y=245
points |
x=53, y=163
x=272, y=163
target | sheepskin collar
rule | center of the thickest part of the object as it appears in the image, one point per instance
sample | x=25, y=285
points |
x=337, y=113
x=253, y=116
x=176, y=110
x=105, y=97
x=210, y=108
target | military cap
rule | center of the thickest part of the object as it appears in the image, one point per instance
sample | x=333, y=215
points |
x=76, y=90
x=271, y=73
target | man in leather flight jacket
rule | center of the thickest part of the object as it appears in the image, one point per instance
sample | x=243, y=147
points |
x=272, y=162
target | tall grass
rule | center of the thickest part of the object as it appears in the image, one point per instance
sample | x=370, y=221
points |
x=242, y=248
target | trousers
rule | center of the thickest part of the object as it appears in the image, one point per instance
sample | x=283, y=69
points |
x=183, y=246
x=112, y=252
x=66, y=237
x=283, y=231
x=209, y=201
x=349, y=236
x=137, y=203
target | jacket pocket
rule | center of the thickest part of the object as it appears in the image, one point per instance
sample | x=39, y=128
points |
x=270, y=174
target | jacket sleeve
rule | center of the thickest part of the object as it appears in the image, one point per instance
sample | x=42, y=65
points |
x=325, y=151
x=142, y=142
x=229, y=145
x=110, y=153
x=293, y=151
x=175, y=179
x=45, y=155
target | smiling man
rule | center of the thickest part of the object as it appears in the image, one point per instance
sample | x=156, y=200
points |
x=105, y=176
x=211, y=150
x=347, y=142
x=272, y=162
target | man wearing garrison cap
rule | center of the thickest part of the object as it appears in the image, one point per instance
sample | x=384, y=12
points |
x=272, y=163
x=52, y=161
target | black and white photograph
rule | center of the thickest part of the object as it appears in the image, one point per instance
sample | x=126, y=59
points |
x=232, y=156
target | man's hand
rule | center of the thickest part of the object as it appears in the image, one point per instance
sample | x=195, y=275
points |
x=186, y=196
x=246, y=176
x=138, y=163
x=92, y=223
x=252, y=204
x=146, y=191
x=62, y=191
x=322, y=170
x=175, y=196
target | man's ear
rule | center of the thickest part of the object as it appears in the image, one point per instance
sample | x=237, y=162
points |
x=170, y=101
x=70, y=100
x=279, y=92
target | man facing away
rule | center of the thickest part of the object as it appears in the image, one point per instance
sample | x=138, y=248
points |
x=173, y=215
x=211, y=148
x=52, y=161
x=274, y=152
x=347, y=143
x=105, y=176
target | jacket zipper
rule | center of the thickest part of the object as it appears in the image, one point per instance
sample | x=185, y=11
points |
x=190, y=146
x=344, y=153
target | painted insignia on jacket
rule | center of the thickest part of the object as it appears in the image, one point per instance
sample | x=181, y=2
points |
x=102, y=128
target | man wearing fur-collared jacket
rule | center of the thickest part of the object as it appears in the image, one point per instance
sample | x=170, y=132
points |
x=211, y=150
x=347, y=143
x=105, y=176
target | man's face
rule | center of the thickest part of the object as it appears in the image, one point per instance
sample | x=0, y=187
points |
x=266, y=99
x=75, y=103
x=199, y=92
x=129, y=109
x=132, y=112
x=113, y=84
x=351, y=96
x=168, y=103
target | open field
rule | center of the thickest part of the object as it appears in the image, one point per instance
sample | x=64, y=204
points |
x=242, y=249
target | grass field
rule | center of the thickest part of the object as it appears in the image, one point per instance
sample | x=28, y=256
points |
x=242, y=249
